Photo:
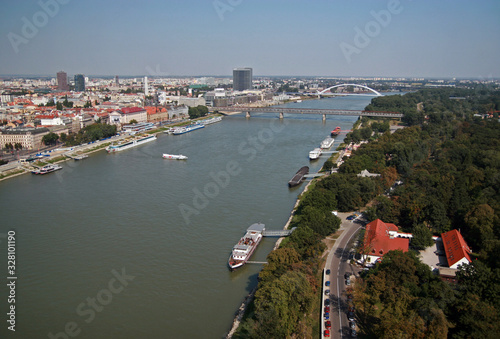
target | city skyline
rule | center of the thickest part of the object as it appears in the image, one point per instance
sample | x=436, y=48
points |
x=276, y=38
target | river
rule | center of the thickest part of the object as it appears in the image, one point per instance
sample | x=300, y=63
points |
x=130, y=245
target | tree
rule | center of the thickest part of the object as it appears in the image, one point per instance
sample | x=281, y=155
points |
x=50, y=138
x=422, y=237
x=59, y=106
x=63, y=137
x=133, y=121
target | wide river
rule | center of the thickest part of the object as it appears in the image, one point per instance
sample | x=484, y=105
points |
x=130, y=245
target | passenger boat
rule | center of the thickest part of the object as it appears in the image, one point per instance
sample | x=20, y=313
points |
x=243, y=250
x=336, y=131
x=174, y=156
x=327, y=143
x=46, y=169
x=186, y=129
x=210, y=121
x=297, y=178
x=315, y=153
x=129, y=144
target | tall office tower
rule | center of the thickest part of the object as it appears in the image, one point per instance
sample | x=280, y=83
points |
x=146, y=89
x=79, y=83
x=117, y=81
x=62, y=81
x=242, y=79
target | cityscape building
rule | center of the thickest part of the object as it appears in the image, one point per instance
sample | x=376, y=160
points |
x=62, y=81
x=79, y=83
x=242, y=79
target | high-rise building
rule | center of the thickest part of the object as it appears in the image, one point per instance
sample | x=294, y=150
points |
x=146, y=89
x=117, y=81
x=79, y=83
x=62, y=81
x=242, y=79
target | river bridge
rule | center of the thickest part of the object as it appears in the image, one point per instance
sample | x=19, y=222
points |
x=282, y=110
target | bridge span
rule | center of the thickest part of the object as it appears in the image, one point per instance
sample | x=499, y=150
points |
x=324, y=112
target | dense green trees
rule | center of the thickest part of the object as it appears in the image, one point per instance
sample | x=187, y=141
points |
x=91, y=133
x=50, y=138
x=198, y=111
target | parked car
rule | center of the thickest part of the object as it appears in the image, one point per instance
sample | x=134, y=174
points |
x=327, y=302
x=350, y=316
x=327, y=333
x=352, y=325
x=327, y=309
x=327, y=271
x=328, y=324
x=327, y=283
x=348, y=281
x=353, y=334
x=351, y=217
x=347, y=275
x=327, y=292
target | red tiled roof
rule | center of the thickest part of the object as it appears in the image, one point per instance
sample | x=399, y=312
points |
x=455, y=247
x=128, y=110
x=378, y=241
x=48, y=116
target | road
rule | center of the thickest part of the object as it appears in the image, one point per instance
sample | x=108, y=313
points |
x=338, y=263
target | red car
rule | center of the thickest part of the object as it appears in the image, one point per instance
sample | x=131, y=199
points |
x=327, y=333
x=327, y=309
x=328, y=324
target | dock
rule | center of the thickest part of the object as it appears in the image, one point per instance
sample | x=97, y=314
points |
x=278, y=233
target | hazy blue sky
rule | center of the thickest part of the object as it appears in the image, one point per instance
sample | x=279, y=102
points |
x=424, y=38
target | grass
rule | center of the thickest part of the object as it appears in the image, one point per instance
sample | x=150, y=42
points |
x=11, y=173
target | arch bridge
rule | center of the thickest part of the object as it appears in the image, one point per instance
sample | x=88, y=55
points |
x=355, y=85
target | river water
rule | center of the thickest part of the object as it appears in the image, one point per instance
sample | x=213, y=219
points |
x=130, y=245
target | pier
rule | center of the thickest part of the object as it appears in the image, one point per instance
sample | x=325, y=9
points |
x=278, y=233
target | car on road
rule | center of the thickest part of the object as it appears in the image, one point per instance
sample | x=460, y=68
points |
x=327, y=309
x=352, y=217
x=350, y=316
x=347, y=275
x=352, y=325
x=327, y=292
x=327, y=316
x=354, y=334
x=327, y=333
x=327, y=302
x=348, y=281
x=327, y=283
x=327, y=271
x=328, y=324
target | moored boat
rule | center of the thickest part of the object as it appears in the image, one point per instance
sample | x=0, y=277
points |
x=46, y=169
x=297, y=178
x=186, y=129
x=129, y=144
x=336, y=131
x=243, y=250
x=210, y=121
x=315, y=153
x=174, y=156
x=327, y=143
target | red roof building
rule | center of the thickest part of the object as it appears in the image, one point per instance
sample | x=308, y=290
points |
x=456, y=249
x=381, y=238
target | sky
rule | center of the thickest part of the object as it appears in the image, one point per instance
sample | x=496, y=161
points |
x=372, y=38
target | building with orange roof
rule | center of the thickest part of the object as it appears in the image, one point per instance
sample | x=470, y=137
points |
x=456, y=249
x=381, y=238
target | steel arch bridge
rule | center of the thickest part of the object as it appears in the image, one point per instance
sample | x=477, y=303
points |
x=356, y=85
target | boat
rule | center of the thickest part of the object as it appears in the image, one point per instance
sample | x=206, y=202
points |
x=297, y=178
x=327, y=143
x=186, y=129
x=169, y=131
x=315, y=153
x=335, y=132
x=174, y=156
x=81, y=157
x=46, y=169
x=210, y=121
x=129, y=144
x=243, y=250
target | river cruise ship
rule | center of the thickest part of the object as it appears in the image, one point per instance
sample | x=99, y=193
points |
x=129, y=144
x=243, y=250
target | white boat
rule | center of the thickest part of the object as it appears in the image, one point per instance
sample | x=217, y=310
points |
x=315, y=153
x=327, y=143
x=169, y=131
x=129, y=144
x=243, y=250
x=46, y=169
x=186, y=129
x=210, y=121
x=174, y=156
